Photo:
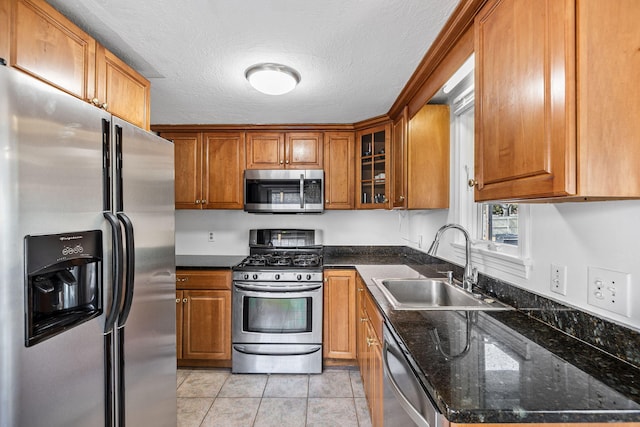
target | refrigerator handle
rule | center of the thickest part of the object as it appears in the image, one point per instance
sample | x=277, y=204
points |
x=106, y=165
x=118, y=170
x=118, y=261
x=130, y=269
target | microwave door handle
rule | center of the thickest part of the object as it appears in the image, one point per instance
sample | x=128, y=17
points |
x=301, y=191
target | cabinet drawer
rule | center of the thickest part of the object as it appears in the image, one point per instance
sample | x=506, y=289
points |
x=203, y=279
x=374, y=315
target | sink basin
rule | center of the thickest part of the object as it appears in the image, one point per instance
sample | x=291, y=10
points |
x=433, y=294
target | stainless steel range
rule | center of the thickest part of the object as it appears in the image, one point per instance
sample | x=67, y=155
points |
x=277, y=304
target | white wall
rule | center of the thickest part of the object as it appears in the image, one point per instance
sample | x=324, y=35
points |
x=231, y=229
x=577, y=235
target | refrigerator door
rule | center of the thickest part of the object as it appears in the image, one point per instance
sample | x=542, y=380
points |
x=144, y=197
x=51, y=177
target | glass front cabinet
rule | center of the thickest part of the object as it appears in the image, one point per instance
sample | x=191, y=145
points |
x=373, y=168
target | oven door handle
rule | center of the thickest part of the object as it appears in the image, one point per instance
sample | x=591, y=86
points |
x=243, y=349
x=278, y=289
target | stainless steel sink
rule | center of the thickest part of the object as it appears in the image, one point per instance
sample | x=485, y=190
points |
x=433, y=294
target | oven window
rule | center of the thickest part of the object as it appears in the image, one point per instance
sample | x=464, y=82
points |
x=277, y=315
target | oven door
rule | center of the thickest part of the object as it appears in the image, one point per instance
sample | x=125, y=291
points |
x=276, y=313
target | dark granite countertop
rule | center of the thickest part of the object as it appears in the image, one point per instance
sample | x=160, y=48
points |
x=208, y=261
x=514, y=369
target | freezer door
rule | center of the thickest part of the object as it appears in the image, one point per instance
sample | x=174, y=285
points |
x=51, y=174
x=144, y=197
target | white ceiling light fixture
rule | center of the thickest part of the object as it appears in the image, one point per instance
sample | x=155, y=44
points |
x=272, y=79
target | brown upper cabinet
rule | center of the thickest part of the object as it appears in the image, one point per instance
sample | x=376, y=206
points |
x=209, y=168
x=556, y=116
x=399, y=161
x=372, y=167
x=428, y=158
x=46, y=45
x=279, y=150
x=420, y=159
x=5, y=29
x=339, y=174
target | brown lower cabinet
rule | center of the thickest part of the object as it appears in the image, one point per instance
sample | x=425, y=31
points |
x=203, y=317
x=369, y=344
x=339, y=317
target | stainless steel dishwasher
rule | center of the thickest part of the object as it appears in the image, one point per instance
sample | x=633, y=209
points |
x=405, y=401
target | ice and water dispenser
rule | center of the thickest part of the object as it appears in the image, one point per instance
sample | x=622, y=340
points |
x=63, y=283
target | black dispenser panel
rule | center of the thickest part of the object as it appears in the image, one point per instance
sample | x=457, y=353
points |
x=63, y=282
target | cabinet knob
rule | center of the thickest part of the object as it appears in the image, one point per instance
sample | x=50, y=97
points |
x=198, y=202
x=326, y=201
x=371, y=341
x=364, y=319
x=177, y=300
x=96, y=102
x=401, y=198
x=472, y=182
x=281, y=162
x=184, y=300
x=104, y=106
x=287, y=162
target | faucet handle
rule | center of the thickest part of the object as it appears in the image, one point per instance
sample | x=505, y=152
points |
x=449, y=274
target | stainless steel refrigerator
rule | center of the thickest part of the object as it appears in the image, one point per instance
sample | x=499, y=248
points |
x=87, y=265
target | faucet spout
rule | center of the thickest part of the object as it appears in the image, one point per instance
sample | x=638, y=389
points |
x=470, y=274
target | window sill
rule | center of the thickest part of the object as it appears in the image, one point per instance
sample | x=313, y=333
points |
x=496, y=264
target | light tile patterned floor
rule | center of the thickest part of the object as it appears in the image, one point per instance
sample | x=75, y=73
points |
x=215, y=397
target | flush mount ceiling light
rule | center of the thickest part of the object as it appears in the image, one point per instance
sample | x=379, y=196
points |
x=272, y=79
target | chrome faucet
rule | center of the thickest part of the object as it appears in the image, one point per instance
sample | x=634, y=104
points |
x=470, y=274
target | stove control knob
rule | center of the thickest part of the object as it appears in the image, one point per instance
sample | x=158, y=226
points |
x=299, y=277
x=277, y=277
x=255, y=277
x=308, y=277
x=246, y=276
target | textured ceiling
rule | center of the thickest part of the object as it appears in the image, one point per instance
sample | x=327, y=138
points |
x=354, y=56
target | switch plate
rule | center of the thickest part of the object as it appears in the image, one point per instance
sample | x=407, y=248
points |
x=610, y=290
x=559, y=279
x=211, y=238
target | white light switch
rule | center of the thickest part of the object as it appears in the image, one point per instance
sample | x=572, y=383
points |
x=609, y=289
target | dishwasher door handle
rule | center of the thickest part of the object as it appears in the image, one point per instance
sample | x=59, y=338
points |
x=411, y=411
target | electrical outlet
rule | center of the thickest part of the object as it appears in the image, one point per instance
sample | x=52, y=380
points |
x=610, y=290
x=211, y=238
x=559, y=279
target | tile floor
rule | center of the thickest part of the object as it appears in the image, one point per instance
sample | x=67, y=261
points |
x=215, y=397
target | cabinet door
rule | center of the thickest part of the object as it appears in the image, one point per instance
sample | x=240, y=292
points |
x=428, y=158
x=188, y=169
x=265, y=150
x=399, y=162
x=179, y=323
x=5, y=29
x=608, y=107
x=376, y=376
x=338, y=170
x=373, y=168
x=525, y=86
x=49, y=47
x=339, y=314
x=224, y=164
x=303, y=150
x=207, y=325
x=361, y=330
x=124, y=91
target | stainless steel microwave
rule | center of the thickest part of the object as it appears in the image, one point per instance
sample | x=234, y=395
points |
x=284, y=191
